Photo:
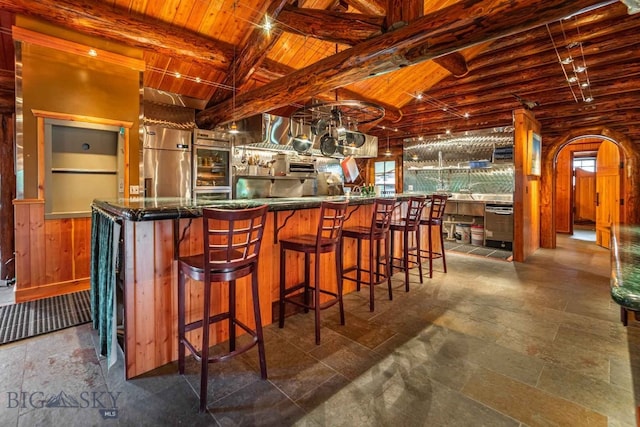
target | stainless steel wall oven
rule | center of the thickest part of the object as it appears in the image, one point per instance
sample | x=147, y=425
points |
x=211, y=165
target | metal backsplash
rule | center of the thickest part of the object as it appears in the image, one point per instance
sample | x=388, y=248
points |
x=459, y=163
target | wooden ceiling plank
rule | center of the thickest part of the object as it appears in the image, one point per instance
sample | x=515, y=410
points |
x=251, y=55
x=96, y=20
x=447, y=30
x=336, y=27
x=535, y=78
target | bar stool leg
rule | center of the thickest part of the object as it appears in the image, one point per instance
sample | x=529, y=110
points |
x=418, y=255
x=387, y=265
x=405, y=251
x=258, y=320
x=316, y=295
x=181, y=322
x=339, y=279
x=282, y=277
x=307, y=278
x=204, y=352
x=232, y=315
x=371, y=277
x=430, y=253
x=358, y=257
x=444, y=259
x=393, y=245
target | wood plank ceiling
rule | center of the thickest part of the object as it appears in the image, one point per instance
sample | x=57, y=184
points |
x=501, y=55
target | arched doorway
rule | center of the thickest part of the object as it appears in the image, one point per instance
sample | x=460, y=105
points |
x=629, y=194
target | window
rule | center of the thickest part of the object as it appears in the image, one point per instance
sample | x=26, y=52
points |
x=385, y=177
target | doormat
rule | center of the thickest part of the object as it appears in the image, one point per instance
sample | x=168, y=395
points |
x=483, y=251
x=31, y=318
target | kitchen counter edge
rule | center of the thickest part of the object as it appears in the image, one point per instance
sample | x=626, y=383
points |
x=152, y=209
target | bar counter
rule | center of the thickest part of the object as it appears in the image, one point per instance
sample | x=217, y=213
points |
x=156, y=231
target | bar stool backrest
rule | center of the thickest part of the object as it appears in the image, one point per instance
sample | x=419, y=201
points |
x=332, y=216
x=414, y=211
x=436, y=211
x=232, y=237
x=381, y=221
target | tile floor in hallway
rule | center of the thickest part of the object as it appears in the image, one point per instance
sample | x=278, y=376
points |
x=489, y=343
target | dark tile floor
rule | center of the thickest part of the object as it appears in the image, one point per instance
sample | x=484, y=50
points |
x=490, y=343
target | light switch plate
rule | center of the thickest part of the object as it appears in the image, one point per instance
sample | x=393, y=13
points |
x=134, y=190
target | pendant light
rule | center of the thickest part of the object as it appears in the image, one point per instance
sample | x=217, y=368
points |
x=388, y=153
x=233, y=128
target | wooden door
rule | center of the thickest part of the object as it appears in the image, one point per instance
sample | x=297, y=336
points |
x=585, y=195
x=607, y=191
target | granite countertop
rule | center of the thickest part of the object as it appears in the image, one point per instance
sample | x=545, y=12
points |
x=625, y=266
x=150, y=209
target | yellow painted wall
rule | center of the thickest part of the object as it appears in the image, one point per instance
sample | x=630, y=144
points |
x=61, y=82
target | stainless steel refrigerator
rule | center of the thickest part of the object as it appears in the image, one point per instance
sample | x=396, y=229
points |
x=166, y=159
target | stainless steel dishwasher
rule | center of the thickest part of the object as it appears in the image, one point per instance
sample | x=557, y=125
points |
x=498, y=226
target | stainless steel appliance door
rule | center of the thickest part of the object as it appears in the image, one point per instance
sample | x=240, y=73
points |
x=167, y=173
x=498, y=223
x=166, y=139
x=222, y=194
x=211, y=167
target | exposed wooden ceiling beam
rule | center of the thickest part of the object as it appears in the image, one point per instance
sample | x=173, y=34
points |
x=99, y=20
x=450, y=29
x=251, y=56
x=454, y=63
x=530, y=80
x=335, y=27
x=272, y=70
x=368, y=7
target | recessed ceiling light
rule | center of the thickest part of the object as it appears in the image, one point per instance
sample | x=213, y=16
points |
x=466, y=115
x=198, y=80
x=177, y=75
x=93, y=52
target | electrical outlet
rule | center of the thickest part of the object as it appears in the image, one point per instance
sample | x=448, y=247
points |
x=134, y=190
x=410, y=187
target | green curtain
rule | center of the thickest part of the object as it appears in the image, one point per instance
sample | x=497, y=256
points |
x=105, y=236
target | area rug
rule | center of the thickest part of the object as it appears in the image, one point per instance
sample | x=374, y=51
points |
x=28, y=319
x=479, y=251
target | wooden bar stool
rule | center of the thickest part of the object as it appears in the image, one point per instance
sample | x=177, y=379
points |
x=434, y=220
x=231, y=247
x=408, y=226
x=377, y=232
x=326, y=240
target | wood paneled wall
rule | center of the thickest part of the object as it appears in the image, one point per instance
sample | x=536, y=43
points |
x=52, y=256
x=564, y=187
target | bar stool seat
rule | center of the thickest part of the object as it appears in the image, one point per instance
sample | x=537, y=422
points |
x=377, y=232
x=434, y=220
x=409, y=226
x=232, y=241
x=326, y=240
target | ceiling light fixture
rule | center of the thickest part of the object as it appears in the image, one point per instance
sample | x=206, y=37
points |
x=92, y=52
x=233, y=128
x=267, y=24
x=388, y=152
x=574, y=66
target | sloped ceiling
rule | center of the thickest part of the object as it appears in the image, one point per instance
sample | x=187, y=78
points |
x=221, y=45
